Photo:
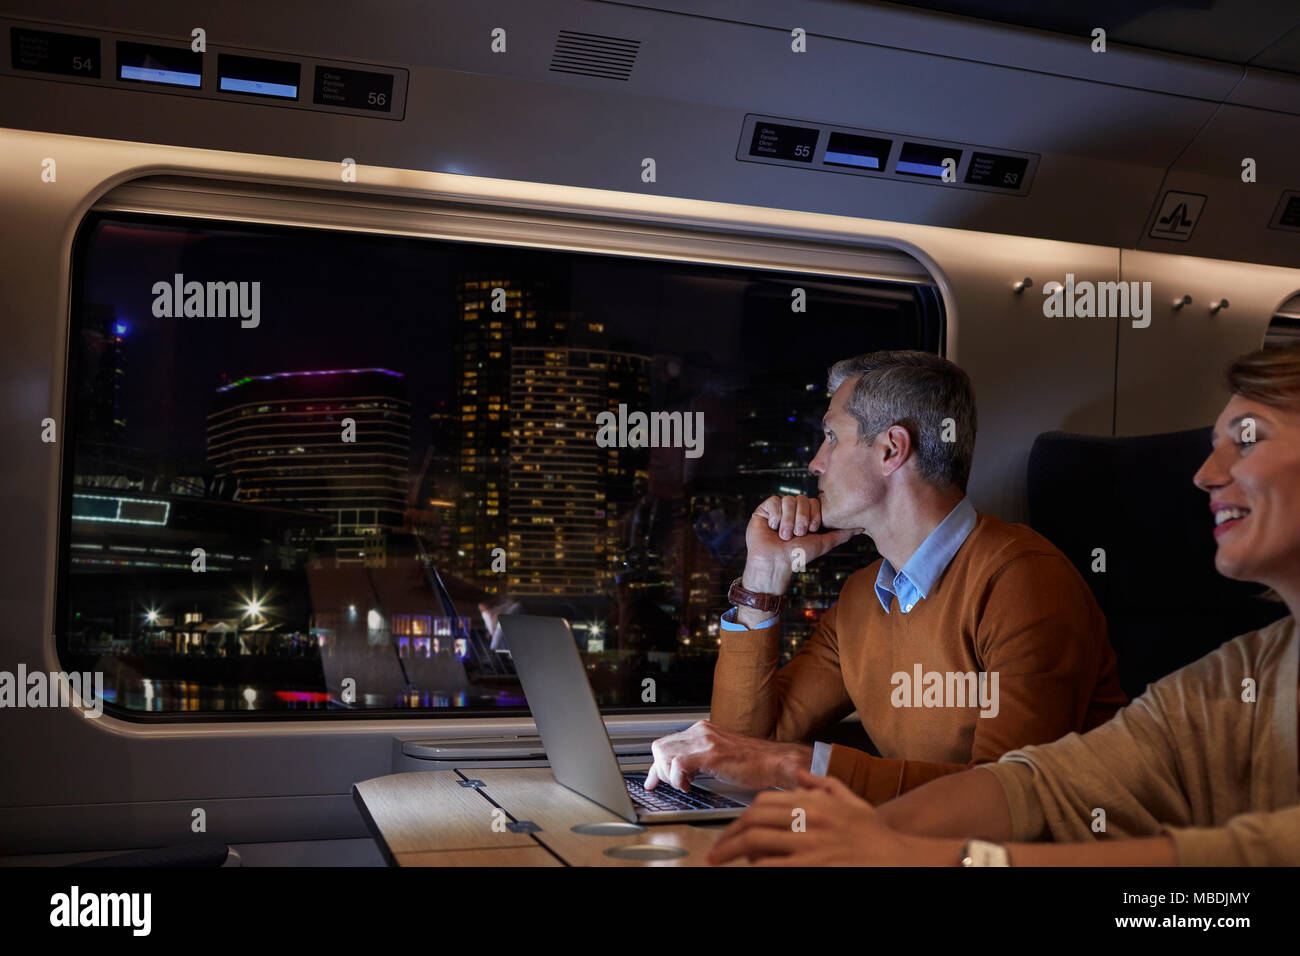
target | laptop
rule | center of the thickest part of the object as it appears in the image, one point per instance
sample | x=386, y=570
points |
x=577, y=744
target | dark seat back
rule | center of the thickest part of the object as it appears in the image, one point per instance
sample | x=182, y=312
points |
x=1164, y=602
x=208, y=853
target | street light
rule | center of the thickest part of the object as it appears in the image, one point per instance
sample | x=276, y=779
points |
x=251, y=604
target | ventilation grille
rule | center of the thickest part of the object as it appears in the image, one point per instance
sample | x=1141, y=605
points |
x=591, y=54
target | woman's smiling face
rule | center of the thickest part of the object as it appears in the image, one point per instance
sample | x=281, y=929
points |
x=1254, y=489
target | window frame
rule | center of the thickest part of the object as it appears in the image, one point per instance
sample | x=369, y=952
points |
x=187, y=199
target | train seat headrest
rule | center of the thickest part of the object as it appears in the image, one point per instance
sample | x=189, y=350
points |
x=1128, y=506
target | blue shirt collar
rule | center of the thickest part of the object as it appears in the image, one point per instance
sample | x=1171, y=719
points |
x=931, y=559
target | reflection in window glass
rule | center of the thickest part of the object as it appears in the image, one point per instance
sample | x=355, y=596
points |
x=310, y=470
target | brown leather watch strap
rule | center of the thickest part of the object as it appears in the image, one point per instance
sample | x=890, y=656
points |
x=737, y=594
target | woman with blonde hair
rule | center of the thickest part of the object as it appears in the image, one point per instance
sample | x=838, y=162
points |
x=1202, y=769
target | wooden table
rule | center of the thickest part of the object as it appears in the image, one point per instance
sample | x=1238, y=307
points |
x=430, y=819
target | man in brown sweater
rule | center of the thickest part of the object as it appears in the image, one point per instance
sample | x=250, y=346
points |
x=970, y=636
x=1199, y=771
x=1195, y=772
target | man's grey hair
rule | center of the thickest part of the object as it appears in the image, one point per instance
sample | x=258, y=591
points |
x=918, y=391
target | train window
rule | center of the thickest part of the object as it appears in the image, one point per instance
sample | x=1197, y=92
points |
x=309, y=468
x=1284, y=328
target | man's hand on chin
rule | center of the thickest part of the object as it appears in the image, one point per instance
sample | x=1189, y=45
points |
x=823, y=823
x=729, y=756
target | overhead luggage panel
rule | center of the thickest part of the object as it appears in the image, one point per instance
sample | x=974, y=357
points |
x=585, y=93
x=1238, y=185
x=1054, y=48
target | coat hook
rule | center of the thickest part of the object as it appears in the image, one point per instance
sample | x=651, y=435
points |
x=1179, y=303
x=1221, y=304
x=1023, y=284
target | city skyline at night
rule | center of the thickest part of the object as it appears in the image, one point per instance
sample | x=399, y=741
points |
x=473, y=397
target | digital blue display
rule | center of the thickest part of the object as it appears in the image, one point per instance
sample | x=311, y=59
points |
x=921, y=169
x=916, y=159
x=258, y=88
x=253, y=76
x=862, y=152
x=171, y=77
x=851, y=159
x=164, y=65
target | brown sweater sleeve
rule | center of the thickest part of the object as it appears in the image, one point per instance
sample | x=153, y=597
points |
x=752, y=696
x=1041, y=632
x=877, y=779
x=1191, y=758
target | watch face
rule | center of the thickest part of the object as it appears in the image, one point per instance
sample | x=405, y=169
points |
x=983, y=853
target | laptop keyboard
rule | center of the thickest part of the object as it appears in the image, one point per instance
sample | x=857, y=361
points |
x=666, y=797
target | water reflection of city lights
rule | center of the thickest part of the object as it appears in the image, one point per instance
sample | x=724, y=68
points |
x=302, y=696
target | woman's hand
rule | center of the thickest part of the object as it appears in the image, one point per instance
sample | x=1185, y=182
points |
x=823, y=823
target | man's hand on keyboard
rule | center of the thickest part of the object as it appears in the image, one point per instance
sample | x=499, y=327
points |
x=729, y=756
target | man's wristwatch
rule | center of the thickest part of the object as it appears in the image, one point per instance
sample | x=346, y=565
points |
x=739, y=596
x=983, y=853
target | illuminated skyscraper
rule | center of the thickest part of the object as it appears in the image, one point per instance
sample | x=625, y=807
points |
x=564, y=490
x=483, y=339
x=284, y=438
x=435, y=489
x=100, y=375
